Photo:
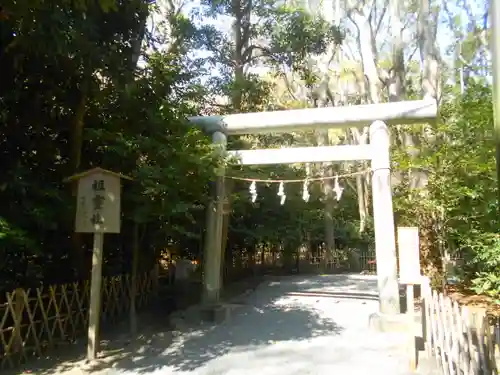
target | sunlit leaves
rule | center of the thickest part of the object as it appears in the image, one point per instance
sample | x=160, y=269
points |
x=296, y=34
x=462, y=186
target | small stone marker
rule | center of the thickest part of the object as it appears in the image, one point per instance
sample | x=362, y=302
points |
x=409, y=255
x=97, y=212
x=409, y=274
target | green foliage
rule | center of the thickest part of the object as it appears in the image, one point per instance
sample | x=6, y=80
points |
x=295, y=222
x=487, y=283
x=267, y=33
x=72, y=98
x=459, y=157
x=67, y=66
x=152, y=134
x=263, y=32
x=297, y=34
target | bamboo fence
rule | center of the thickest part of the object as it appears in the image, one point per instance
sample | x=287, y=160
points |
x=33, y=321
x=462, y=340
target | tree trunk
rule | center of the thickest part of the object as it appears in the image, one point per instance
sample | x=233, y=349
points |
x=241, y=39
x=361, y=203
x=373, y=84
x=327, y=171
x=429, y=54
x=361, y=138
x=366, y=191
x=79, y=259
x=225, y=232
x=133, y=279
x=396, y=84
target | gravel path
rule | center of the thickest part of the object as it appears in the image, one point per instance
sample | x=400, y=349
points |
x=293, y=325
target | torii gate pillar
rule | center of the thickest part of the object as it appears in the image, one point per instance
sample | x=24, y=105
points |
x=383, y=218
x=212, y=251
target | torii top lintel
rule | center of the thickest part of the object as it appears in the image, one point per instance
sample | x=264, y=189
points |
x=394, y=113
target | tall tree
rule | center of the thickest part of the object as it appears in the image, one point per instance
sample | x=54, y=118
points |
x=263, y=33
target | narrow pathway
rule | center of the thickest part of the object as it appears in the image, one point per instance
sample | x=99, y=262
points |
x=293, y=325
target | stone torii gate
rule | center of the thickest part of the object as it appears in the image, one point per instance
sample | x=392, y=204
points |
x=377, y=116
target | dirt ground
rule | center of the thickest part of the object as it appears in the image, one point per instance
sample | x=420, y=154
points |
x=291, y=325
x=466, y=297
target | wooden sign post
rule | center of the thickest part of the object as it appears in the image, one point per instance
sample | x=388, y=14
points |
x=409, y=274
x=97, y=212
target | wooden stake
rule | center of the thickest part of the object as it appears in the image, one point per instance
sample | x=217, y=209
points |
x=95, y=298
x=18, y=320
x=133, y=281
x=410, y=305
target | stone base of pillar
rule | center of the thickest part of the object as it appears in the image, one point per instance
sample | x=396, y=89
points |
x=393, y=322
x=219, y=313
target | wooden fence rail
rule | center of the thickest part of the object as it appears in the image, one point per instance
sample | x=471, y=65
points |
x=463, y=341
x=341, y=260
x=32, y=321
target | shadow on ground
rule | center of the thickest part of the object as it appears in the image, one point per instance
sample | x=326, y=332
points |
x=266, y=316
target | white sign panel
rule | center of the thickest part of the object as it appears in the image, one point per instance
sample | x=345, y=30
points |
x=409, y=254
x=98, y=205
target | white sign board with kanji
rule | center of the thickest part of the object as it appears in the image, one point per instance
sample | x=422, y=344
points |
x=409, y=254
x=98, y=205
